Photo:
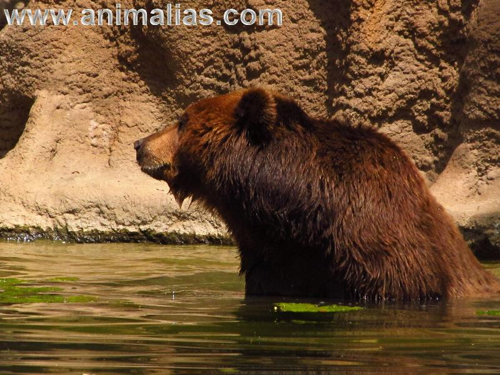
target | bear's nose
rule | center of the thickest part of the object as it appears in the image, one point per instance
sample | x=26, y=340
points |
x=138, y=144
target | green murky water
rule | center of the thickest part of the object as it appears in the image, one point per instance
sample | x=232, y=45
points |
x=149, y=309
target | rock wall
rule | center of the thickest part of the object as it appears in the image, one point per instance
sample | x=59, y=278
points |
x=73, y=99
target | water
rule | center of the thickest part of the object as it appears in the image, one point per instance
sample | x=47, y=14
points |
x=150, y=309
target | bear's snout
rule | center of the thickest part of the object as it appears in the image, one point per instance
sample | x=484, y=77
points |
x=155, y=153
x=138, y=144
x=139, y=152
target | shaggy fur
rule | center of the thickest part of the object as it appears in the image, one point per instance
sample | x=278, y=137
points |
x=318, y=208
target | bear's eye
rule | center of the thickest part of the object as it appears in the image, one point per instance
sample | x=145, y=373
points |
x=182, y=122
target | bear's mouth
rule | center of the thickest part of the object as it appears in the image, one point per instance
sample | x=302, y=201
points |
x=160, y=173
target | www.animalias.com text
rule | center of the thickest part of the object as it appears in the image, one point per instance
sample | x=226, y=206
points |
x=172, y=15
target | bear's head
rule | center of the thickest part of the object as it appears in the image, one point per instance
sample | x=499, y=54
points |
x=200, y=153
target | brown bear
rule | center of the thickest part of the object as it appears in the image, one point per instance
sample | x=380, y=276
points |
x=318, y=208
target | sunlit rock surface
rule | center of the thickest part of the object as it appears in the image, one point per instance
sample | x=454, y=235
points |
x=73, y=99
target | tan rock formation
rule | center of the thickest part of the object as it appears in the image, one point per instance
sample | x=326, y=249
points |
x=73, y=99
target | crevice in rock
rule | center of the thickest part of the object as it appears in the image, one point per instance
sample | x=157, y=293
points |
x=481, y=244
x=458, y=44
x=337, y=32
x=150, y=60
x=14, y=113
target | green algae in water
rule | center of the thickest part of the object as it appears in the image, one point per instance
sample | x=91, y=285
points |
x=10, y=281
x=79, y=299
x=13, y=292
x=228, y=370
x=63, y=279
x=310, y=308
x=489, y=312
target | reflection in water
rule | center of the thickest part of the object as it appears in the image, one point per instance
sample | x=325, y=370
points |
x=165, y=309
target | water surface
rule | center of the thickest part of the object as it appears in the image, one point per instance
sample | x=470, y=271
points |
x=151, y=309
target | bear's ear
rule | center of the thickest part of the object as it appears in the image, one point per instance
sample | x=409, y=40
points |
x=256, y=114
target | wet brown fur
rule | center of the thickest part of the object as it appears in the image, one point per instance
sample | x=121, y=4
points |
x=318, y=208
